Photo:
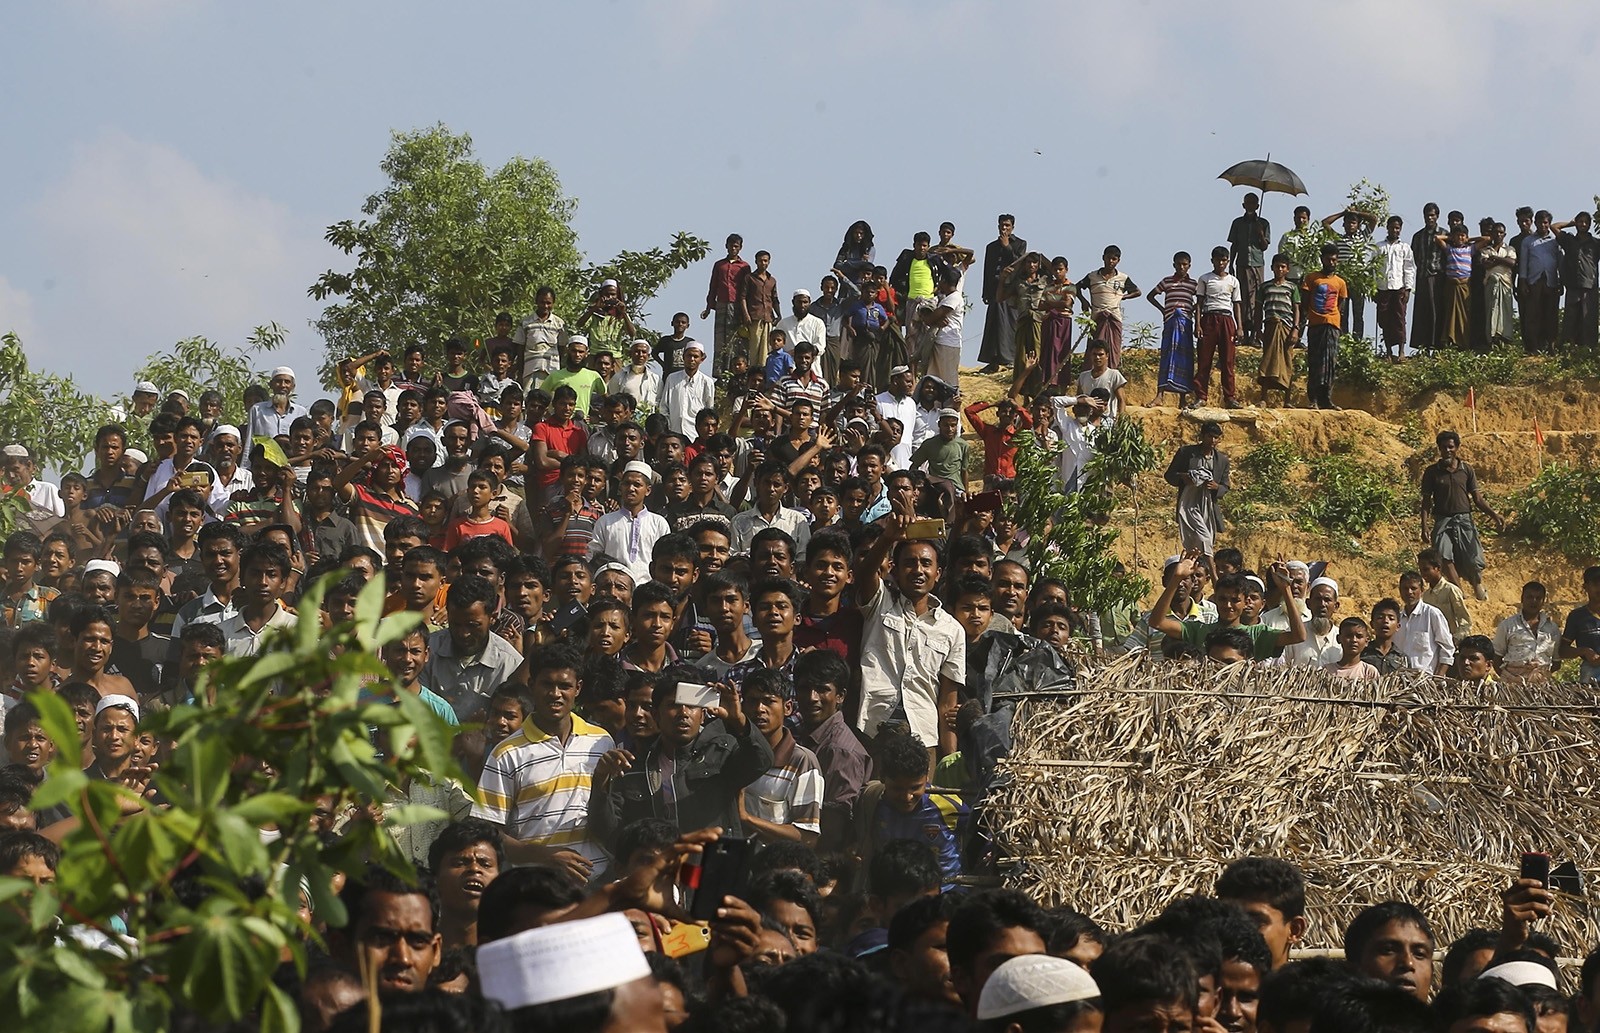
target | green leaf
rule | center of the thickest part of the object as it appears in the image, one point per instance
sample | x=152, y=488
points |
x=76, y=967
x=221, y=966
x=412, y=814
x=280, y=809
x=238, y=842
x=62, y=786
x=60, y=725
x=143, y=848
x=278, y=1013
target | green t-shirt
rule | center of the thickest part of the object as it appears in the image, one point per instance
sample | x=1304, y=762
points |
x=947, y=459
x=585, y=382
x=1264, y=640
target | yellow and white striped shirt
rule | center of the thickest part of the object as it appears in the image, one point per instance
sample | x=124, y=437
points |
x=538, y=788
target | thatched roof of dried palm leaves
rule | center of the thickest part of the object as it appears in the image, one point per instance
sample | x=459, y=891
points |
x=1143, y=782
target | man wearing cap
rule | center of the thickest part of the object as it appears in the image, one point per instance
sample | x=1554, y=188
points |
x=145, y=395
x=593, y=967
x=45, y=507
x=946, y=453
x=574, y=372
x=539, y=338
x=1299, y=586
x=1039, y=992
x=273, y=417
x=629, y=533
x=1321, y=646
x=637, y=378
x=224, y=449
x=115, y=719
x=801, y=325
x=897, y=403
x=687, y=391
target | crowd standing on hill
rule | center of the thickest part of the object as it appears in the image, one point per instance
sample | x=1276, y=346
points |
x=764, y=587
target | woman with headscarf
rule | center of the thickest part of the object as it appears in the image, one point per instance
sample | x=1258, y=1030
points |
x=856, y=254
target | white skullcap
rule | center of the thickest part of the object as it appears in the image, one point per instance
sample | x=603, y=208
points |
x=1298, y=565
x=802, y=293
x=1033, y=981
x=110, y=566
x=638, y=340
x=1171, y=561
x=621, y=568
x=1330, y=582
x=640, y=468
x=949, y=412
x=895, y=371
x=1257, y=582
x=578, y=339
x=145, y=387
x=1521, y=973
x=127, y=703
x=695, y=346
x=608, y=283
x=178, y=392
x=136, y=453
x=561, y=961
x=15, y=452
x=224, y=428
x=282, y=371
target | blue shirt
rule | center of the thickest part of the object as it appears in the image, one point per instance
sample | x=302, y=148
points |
x=938, y=820
x=779, y=365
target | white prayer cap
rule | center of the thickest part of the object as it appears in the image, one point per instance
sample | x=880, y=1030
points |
x=224, y=428
x=897, y=370
x=282, y=371
x=642, y=469
x=178, y=392
x=1330, y=582
x=1171, y=561
x=110, y=566
x=803, y=293
x=1521, y=973
x=561, y=961
x=15, y=452
x=137, y=454
x=1298, y=565
x=621, y=568
x=145, y=387
x=695, y=346
x=578, y=339
x=127, y=703
x=608, y=283
x=952, y=413
x=1033, y=981
x=638, y=340
x=1257, y=582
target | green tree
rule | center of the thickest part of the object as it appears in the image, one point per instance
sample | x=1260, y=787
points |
x=211, y=907
x=47, y=412
x=1072, y=534
x=1364, y=196
x=197, y=364
x=448, y=243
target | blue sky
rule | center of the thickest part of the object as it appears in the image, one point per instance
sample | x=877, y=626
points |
x=171, y=164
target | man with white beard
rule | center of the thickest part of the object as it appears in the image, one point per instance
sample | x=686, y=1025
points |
x=1321, y=646
x=273, y=417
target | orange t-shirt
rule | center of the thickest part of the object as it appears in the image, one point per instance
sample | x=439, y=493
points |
x=1322, y=293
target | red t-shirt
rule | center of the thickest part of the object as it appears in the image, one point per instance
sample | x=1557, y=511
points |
x=570, y=440
x=462, y=529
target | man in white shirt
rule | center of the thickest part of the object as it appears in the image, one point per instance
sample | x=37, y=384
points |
x=277, y=414
x=1527, y=641
x=944, y=321
x=1321, y=646
x=541, y=336
x=1397, y=278
x=897, y=403
x=686, y=391
x=629, y=533
x=1218, y=298
x=1278, y=616
x=801, y=325
x=637, y=379
x=1424, y=635
x=913, y=652
x=45, y=506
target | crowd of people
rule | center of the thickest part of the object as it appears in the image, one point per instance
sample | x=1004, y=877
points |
x=770, y=598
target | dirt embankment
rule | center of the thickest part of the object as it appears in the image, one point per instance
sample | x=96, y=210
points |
x=1380, y=430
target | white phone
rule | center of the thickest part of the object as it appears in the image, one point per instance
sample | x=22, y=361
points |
x=697, y=694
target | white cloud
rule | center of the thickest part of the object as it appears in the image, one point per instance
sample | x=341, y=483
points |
x=146, y=247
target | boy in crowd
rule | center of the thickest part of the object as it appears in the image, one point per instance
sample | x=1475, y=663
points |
x=1273, y=893
x=785, y=804
x=1228, y=595
x=1353, y=640
x=24, y=601
x=1441, y=594
x=899, y=805
x=1381, y=652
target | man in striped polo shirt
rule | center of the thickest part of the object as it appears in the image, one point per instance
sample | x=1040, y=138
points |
x=536, y=783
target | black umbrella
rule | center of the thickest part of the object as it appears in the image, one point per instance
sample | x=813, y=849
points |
x=1264, y=174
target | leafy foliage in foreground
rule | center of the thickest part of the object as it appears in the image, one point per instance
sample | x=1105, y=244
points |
x=1558, y=510
x=211, y=907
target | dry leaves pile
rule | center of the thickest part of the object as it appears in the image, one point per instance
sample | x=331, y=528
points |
x=1143, y=783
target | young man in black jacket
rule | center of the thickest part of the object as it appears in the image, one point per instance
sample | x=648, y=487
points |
x=692, y=775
